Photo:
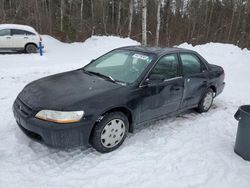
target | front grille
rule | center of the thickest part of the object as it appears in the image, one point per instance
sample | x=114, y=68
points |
x=24, y=109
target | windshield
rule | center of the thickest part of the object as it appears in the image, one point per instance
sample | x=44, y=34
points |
x=120, y=65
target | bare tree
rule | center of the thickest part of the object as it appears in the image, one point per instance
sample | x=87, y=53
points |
x=38, y=25
x=61, y=15
x=113, y=14
x=2, y=11
x=238, y=20
x=81, y=15
x=231, y=24
x=131, y=10
x=210, y=19
x=144, y=22
x=119, y=18
x=104, y=16
x=158, y=17
x=92, y=18
x=178, y=21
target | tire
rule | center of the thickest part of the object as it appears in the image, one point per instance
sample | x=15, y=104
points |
x=30, y=48
x=206, y=101
x=110, y=132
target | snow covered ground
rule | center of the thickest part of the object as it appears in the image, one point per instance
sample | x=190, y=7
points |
x=192, y=150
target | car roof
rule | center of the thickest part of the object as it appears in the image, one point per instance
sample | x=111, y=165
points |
x=155, y=50
x=18, y=26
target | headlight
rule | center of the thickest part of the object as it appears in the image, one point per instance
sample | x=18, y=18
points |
x=60, y=116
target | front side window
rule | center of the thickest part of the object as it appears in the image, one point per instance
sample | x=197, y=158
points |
x=167, y=66
x=5, y=32
x=121, y=65
x=190, y=64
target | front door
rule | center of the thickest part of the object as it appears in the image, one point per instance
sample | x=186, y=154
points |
x=195, y=79
x=165, y=97
x=5, y=39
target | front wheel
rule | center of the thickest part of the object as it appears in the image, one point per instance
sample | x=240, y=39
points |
x=110, y=132
x=206, y=101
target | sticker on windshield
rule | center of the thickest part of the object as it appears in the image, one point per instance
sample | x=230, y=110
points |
x=139, y=56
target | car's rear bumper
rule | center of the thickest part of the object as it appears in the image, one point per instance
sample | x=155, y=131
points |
x=54, y=134
x=220, y=88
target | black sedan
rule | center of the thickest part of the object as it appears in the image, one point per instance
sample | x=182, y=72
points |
x=115, y=94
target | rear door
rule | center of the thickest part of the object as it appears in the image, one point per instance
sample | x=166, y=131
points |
x=196, y=79
x=5, y=38
x=19, y=38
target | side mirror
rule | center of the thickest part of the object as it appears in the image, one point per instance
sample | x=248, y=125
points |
x=154, y=79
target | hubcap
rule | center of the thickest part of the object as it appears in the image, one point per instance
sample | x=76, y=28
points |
x=31, y=49
x=208, y=100
x=112, y=133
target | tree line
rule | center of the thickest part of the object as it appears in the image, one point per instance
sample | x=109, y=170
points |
x=154, y=22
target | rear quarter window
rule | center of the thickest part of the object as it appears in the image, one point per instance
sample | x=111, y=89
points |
x=29, y=33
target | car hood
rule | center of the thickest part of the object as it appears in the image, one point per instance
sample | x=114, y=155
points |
x=63, y=90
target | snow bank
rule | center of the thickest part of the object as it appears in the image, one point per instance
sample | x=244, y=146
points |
x=192, y=150
x=236, y=63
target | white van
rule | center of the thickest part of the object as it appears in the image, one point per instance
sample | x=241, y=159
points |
x=19, y=38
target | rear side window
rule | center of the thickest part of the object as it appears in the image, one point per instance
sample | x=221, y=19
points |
x=190, y=64
x=21, y=32
x=4, y=32
x=167, y=66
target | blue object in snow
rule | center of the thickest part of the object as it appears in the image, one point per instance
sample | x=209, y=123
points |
x=40, y=48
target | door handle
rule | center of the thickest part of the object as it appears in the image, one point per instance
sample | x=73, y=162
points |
x=175, y=88
x=25, y=37
x=8, y=37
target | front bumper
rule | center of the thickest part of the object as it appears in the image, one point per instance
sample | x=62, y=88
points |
x=53, y=134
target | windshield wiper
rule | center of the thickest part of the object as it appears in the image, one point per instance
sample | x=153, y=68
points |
x=101, y=75
x=110, y=78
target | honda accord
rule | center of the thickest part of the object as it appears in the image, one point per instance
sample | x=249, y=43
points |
x=115, y=94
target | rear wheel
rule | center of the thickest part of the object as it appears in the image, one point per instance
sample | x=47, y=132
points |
x=206, y=101
x=30, y=48
x=110, y=132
